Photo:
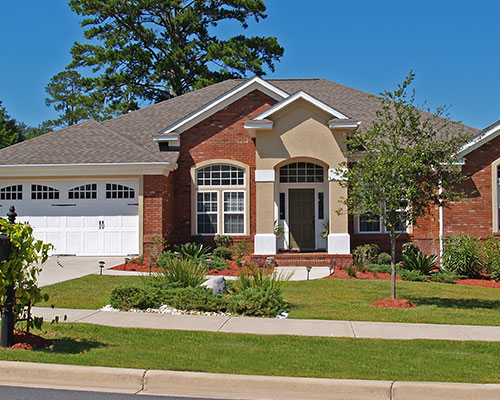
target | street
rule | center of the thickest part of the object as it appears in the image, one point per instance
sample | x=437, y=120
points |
x=23, y=393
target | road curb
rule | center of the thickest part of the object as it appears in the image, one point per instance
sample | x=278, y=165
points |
x=230, y=386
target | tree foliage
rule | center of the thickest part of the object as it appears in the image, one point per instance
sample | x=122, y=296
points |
x=152, y=50
x=9, y=130
x=406, y=163
x=22, y=268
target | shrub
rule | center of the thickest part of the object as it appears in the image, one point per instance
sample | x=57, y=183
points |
x=242, y=249
x=127, y=297
x=199, y=299
x=193, y=251
x=412, y=275
x=253, y=276
x=421, y=262
x=182, y=271
x=382, y=268
x=444, y=277
x=223, y=252
x=223, y=241
x=365, y=254
x=259, y=302
x=490, y=255
x=408, y=248
x=351, y=271
x=217, y=263
x=384, y=258
x=461, y=255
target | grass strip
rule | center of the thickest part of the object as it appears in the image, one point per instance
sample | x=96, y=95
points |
x=415, y=360
x=328, y=299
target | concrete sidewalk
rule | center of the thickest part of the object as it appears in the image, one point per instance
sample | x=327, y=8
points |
x=271, y=326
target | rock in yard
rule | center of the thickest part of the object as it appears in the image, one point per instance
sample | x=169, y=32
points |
x=217, y=284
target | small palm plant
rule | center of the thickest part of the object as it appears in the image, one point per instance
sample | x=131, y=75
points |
x=425, y=264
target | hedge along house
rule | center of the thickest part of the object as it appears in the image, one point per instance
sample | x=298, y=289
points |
x=236, y=158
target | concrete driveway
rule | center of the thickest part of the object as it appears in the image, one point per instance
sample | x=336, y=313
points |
x=64, y=268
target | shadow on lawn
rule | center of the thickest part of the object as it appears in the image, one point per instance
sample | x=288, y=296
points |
x=454, y=303
x=72, y=346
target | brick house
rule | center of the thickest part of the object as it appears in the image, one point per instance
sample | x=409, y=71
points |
x=235, y=158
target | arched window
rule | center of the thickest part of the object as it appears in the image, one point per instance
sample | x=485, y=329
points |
x=220, y=200
x=14, y=192
x=302, y=172
x=88, y=191
x=116, y=191
x=42, y=192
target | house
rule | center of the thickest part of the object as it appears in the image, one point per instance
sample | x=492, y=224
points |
x=235, y=158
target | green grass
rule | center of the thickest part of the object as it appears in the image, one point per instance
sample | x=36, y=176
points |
x=329, y=299
x=415, y=360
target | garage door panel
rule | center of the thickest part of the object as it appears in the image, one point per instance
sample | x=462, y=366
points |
x=55, y=238
x=112, y=242
x=74, y=222
x=91, y=243
x=55, y=222
x=130, y=221
x=129, y=242
x=74, y=242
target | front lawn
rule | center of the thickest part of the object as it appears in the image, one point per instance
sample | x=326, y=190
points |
x=413, y=360
x=328, y=299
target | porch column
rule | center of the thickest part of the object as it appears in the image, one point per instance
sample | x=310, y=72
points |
x=339, y=241
x=265, y=239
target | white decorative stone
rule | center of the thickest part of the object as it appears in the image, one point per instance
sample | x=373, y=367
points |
x=265, y=244
x=264, y=175
x=339, y=243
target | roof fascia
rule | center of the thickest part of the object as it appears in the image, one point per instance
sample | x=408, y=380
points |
x=304, y=96
x=230, y=97
x=479, y=140
x=97, y=169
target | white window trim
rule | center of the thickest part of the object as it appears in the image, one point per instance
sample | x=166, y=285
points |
x=244, y=212
x=203, y=213
x=380, y=227
x=220, y=186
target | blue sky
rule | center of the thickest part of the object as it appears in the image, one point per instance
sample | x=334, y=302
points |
x=452, y=46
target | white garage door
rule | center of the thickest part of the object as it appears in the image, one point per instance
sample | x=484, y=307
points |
x=78, y=217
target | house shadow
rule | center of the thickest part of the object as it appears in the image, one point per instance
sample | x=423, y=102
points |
x=72, y=346
x=444, y=302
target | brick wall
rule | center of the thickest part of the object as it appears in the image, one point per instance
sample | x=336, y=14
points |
x=222, y=136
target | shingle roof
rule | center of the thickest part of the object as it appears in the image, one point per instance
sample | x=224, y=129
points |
x=128, y=138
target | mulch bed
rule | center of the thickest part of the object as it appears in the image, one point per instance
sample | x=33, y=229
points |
x=28, y=341
x=393, y=303
x=379, y=276
x=479, y=282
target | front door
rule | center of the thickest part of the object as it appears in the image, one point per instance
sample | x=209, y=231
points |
x=301, y=219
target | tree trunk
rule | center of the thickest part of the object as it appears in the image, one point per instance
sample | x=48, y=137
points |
x=393, y=265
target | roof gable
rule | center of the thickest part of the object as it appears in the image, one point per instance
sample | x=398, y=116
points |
x=486, y=135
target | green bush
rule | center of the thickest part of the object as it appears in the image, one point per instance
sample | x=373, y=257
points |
x=223, y=252
x=192, y=251
x=461, y=254
x=127, y=297
x=365, y=254
x=421, y=262
x=258, y=302
x=253, y=276
x=490, y=255
x=412, y=275
x=185, y=272
x=223, y=241
x=384, y=258
x=242, y=249
x=382, y=268
x=217, y=263
x=408, y=248
x=444, y=277
x=351, y=271
x=199, y=299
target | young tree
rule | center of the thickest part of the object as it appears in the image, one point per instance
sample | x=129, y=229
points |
x=403, y=165
x=9, y=131
x=152, y=50
x=70, y=94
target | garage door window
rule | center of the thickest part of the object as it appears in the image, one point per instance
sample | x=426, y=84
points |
x=14, y=192
x=115, y=191
x=42, y=192
x=88, y=191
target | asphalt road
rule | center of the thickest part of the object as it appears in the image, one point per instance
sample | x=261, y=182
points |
x=22, y=393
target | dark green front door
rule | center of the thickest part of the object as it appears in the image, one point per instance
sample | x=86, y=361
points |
x=301, y=219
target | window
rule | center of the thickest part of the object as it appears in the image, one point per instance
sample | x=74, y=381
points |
x=302, y=172
x=321, y=205
x=88, y=191
x=282, y=206
x=234, y=212
x=207, y=212
x=42, y=192
x=14, y=192
x=220, y=175
x=115, y=191
x=369, y=223
x=220, y=200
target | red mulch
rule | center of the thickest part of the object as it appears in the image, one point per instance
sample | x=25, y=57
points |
x=393, y=303
x=28, y=341
x=144, y=267
x=342, y=274
x=479, y=282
